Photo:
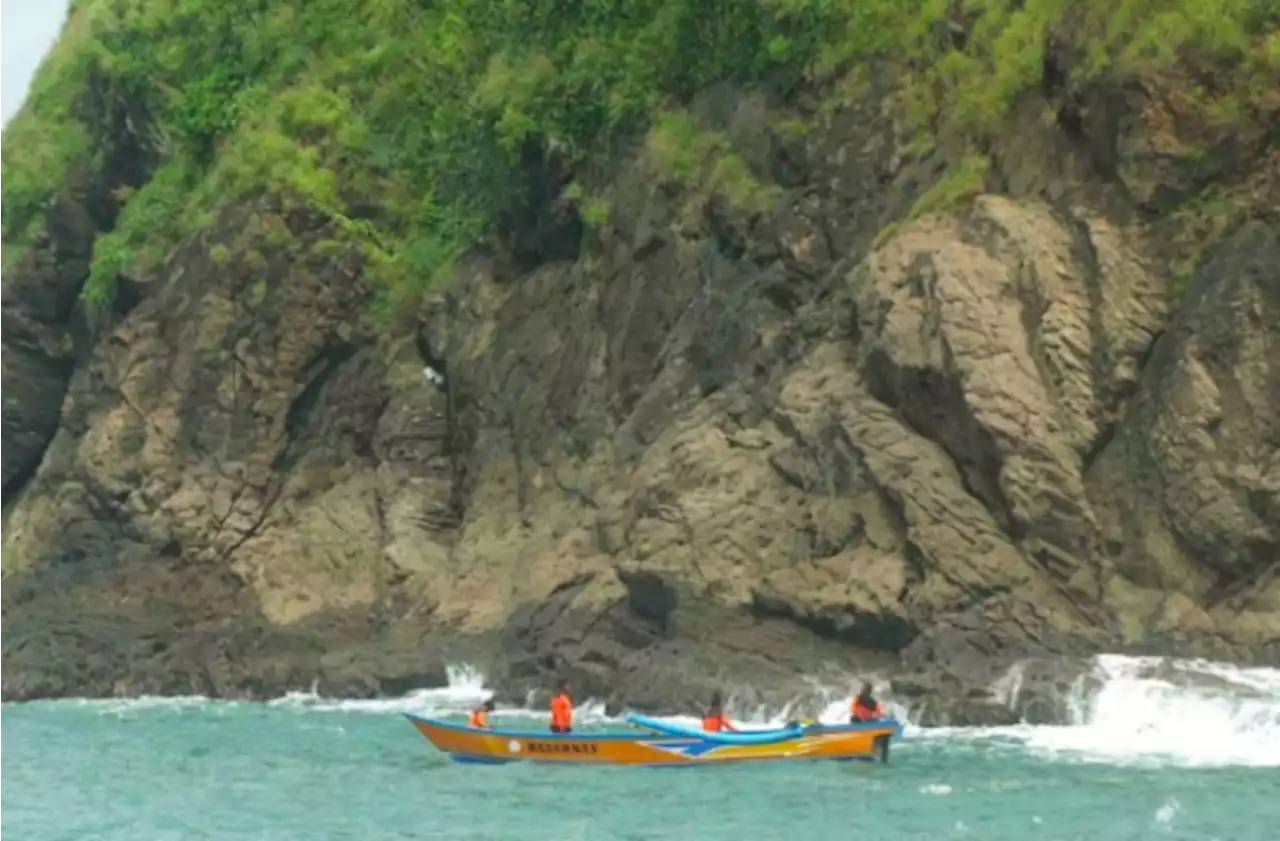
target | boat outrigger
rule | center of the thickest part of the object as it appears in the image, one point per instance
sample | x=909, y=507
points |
x=670, y=744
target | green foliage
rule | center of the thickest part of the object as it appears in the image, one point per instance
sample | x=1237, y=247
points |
x=145, y=232
x=205, y=110
x=963, y=67
x=593, y=210
x=39, y=151
x=700, y=160
x=967, y=86
x=679, y=149
x=413, y=125
x=417, y=119
x=960, y=182
x=111, y=255
x=596, y=211
x=731, y=179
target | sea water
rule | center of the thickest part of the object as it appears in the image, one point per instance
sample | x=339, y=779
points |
x=1144, y=757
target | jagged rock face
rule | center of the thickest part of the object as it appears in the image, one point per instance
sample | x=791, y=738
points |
x=192, y=410
x=1012, y=338
x=39, y=356
x=206, y=478
x=1191, y=481
x=717, y=451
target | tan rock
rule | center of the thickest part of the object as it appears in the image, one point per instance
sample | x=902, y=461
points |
x=326, y=556
x=983, y=327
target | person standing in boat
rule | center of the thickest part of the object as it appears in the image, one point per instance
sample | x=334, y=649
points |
x=480, y=715
x=865, y=707
x=562, y=708
x=715, y=720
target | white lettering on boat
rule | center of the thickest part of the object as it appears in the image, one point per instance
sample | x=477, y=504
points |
x=563, y=747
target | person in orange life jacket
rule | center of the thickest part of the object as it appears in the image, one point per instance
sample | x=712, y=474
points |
x=480, y=715
x=865, y=707
x=715, y=720
x=562, y=708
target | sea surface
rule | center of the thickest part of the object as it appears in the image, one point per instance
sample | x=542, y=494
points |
x=1193, y=754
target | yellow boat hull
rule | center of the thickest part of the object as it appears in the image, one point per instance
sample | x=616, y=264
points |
x=467, y=744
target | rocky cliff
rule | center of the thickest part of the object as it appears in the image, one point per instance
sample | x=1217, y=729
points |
x=773, y=390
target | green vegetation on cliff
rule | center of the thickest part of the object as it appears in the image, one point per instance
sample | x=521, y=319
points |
x=422, y=126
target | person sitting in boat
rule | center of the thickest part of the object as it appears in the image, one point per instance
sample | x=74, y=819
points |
x=715, y=720
x=480, y=715
x=562, y=708
x=865, y=707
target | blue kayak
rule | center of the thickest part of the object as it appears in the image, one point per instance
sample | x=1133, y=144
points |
x=754, y=737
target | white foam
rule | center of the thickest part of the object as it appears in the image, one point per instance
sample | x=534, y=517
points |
x=1009, y=686
x=141, y=703
x=1144, y=710
x=466, y=689
x=1135, y=715
x=1168, y=811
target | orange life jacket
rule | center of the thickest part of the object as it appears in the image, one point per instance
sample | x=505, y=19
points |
x=479, y=717
x=864, y=712
x=715, y=723
x=561, y=711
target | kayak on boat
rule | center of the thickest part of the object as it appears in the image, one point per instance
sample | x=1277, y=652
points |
x=878, y=733
x=673, y=745
x=792, y=730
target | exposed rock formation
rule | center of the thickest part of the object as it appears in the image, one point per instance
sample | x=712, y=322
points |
x=717, y=449
x=1189, y=489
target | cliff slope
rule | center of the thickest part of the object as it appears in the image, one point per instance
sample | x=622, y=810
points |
x=661, y=344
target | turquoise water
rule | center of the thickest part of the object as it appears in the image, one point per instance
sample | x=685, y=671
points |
x=305, y=771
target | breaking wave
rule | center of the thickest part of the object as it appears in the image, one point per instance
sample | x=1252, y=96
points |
x=1190, y=712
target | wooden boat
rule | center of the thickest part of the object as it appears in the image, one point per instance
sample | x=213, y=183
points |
x=674, y=745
